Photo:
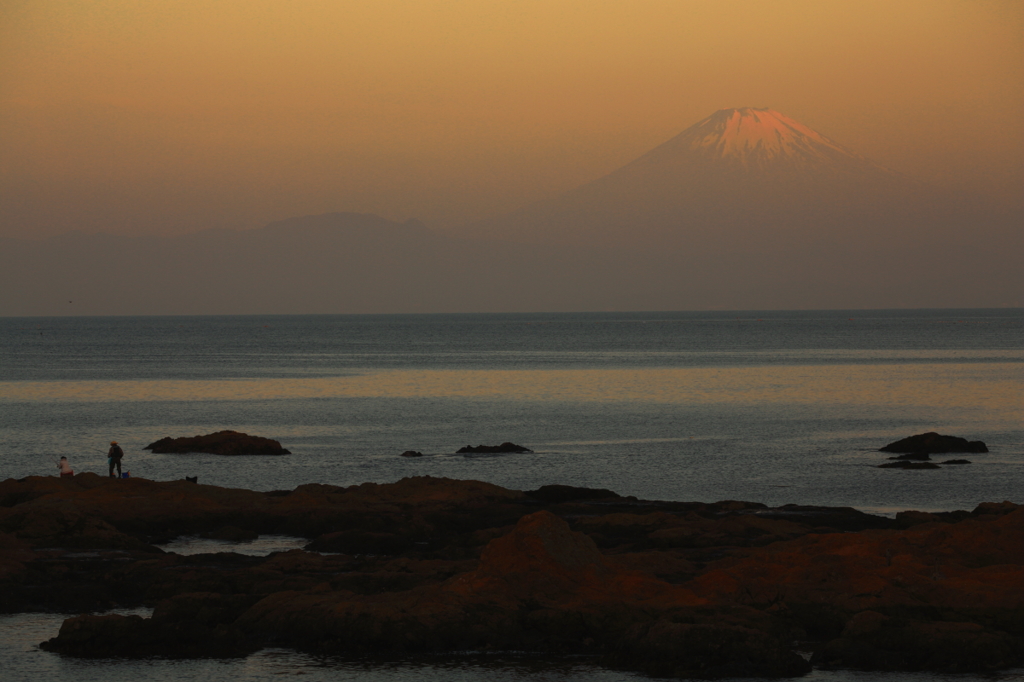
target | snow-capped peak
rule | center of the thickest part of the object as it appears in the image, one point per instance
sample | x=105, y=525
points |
x=755, y=139
x=740, y=133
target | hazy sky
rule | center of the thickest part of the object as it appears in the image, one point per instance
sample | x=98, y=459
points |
x=167, y=117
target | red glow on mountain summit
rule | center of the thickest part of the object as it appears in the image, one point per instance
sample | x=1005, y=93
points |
x=755, y=139
x=739, y=132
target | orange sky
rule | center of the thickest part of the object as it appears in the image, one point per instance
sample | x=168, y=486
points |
x=167, y=117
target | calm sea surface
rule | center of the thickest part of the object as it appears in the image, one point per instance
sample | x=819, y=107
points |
x=775, y=407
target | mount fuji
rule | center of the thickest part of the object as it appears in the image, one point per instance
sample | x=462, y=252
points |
x=743, y=173
x=745, y=210
x=750, y=204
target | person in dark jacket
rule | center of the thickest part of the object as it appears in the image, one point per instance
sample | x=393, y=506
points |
x=114, y=458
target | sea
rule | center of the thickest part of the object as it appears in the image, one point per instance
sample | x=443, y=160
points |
x=776, y=407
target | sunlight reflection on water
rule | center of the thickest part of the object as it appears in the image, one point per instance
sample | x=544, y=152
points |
x=984, y=387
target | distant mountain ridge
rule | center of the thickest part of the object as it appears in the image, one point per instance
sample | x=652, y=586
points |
x=745, y=210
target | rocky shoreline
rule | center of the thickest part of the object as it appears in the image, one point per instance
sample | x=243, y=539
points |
x=429, y=565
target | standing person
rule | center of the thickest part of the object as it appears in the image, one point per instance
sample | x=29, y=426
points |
x=114, y=458
x=65, y=468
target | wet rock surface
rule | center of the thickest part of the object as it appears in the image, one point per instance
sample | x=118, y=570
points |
x=230, y=443
x=432, y=565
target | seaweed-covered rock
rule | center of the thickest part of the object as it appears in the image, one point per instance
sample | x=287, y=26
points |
x=231, y=443
x=932, y=442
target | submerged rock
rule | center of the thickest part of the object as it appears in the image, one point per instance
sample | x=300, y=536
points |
x=231, y=443
x=412, y=453
x=932, y=442
x=505, y=447
x=909, y=465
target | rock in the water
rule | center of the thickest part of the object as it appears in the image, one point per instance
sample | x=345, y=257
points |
x=909, y=465
x=492, y=449
x=230, y=443
x=932, y=442
x=412, y=453
x=957, y=461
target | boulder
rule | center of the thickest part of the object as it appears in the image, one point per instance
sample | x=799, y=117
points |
x=231, y=443
x=412, y=453
x=932, y=442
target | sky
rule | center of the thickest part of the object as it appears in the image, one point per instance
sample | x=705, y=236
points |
x=159, y=118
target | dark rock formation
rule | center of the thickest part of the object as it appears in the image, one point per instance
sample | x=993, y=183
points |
x=412, y=453
x=913, y=456
x=435, y=565
x=230, y=443
x=492, y=449
x=909, y=465
x=957, y=461
x=932, y=442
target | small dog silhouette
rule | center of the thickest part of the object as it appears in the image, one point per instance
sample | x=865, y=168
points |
x=192, y=479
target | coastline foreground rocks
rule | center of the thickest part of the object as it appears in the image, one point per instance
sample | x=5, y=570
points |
x=231, y=443
x=428, y=565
